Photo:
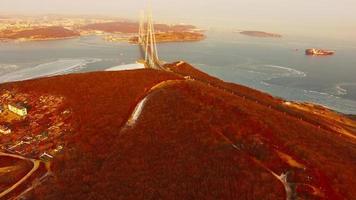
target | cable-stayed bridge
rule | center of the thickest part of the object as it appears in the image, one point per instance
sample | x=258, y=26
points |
x=147, y=41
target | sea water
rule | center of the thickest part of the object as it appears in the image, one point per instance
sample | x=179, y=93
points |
x=274, y=65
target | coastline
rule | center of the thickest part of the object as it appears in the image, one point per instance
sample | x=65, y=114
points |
x=38, y=39
x=116, y=40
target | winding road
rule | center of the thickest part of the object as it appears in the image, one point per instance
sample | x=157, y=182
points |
x=135, y=114
x=36, y=165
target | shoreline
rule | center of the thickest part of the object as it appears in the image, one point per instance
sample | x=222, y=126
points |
x=38, y=40
x=119, y=40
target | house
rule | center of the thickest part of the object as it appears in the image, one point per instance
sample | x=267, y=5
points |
x=46, y=157
x=5, y=130
x=18, y=109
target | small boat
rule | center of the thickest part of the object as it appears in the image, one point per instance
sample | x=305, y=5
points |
x=318, y=52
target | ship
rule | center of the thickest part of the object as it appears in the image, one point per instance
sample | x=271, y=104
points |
x=318, y=52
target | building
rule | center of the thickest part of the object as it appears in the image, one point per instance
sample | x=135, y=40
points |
x=45, y=157
x=18, y=109
x=5, y=130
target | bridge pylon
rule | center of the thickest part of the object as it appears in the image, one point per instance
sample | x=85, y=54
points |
x=141, y=30
x=147, y=41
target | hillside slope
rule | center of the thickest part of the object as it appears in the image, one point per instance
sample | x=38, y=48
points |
x=182, y=134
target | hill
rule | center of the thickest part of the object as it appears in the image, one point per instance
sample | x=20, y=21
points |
x=182, y=134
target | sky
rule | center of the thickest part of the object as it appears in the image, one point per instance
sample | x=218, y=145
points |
x=327, y=18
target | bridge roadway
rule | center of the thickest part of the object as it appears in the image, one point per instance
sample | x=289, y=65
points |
x=157, y=63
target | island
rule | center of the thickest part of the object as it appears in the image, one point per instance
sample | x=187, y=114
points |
x=260, y=34
x=173, y=133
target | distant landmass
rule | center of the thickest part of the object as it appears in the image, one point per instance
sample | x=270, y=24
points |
x=49, y=28
x=176, y=133
x=39, y=33
x=164, y=33
x=260, y=34
x=132, y=27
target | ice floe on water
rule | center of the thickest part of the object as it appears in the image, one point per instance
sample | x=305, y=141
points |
x=5, y=68
x=10, y=72
x=344, y=90
x=338, y=90
x=57, y=67
x=329, y=98
x=275, y=71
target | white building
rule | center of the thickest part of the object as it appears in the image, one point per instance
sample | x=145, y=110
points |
x=18, y=109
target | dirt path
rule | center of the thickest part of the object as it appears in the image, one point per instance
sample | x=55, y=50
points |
x=136, y=113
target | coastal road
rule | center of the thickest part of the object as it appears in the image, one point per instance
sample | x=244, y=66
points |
x=36, y=165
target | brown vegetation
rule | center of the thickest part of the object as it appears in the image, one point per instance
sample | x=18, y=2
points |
x=196, y=138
